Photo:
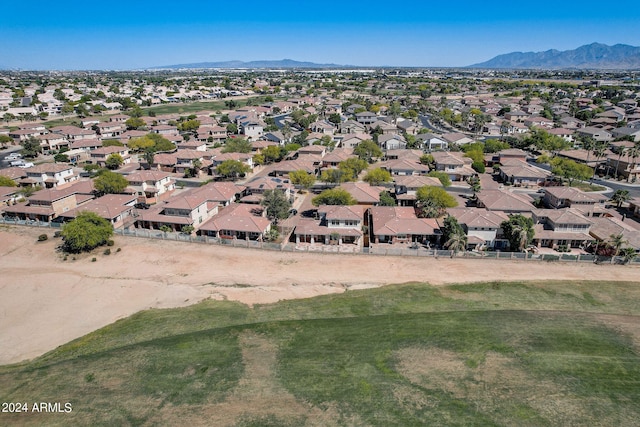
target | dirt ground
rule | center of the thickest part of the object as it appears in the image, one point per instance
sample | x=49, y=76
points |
x=46, y=302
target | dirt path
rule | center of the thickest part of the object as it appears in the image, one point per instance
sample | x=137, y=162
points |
x=46, y=302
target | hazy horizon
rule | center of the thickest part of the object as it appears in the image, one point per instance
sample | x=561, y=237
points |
x=145, y=34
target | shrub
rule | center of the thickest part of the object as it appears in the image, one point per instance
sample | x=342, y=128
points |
x=118, y=250
x=110, y=242
x=43, y=237
x=107, y=252
x=94, y=259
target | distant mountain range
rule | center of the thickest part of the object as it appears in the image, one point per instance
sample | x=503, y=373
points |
x=282, y=63
x=592, y=56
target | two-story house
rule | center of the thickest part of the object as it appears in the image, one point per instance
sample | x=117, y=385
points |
x=100, y=155
x=561, y=227
x=337, y=225
x=150, y=186
x=49, y=175
x=453, y=164
x=186, y=209
x=237, y=221
x=482, y=227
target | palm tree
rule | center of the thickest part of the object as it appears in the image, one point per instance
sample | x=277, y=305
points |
x=599, y=150
x=620, y=196
x=617, y=241
x=457, y=242
x=628, y=255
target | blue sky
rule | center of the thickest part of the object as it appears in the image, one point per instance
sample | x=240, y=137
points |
x=119, y=35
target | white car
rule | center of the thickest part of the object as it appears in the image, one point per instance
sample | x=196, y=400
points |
x=26, y=165
x=13, y=156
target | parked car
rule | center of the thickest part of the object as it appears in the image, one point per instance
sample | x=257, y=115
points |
x=17, y=163
x=26, y=165
x=13, y=156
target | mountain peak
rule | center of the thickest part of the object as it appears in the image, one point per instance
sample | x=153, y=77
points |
x=590, y=56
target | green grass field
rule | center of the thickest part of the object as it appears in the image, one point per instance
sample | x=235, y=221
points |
x=525, y=354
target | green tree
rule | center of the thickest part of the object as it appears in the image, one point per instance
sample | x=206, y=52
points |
x=571, y=170
x=86, y=232
x=5, y=140
x=367, y=150
x=620, y=196
x=335, y=176
x=427, y=159
x=134, y=123
x=450, y=226
x=61, y=158
x=276, y=204
x=442, y=176
x=109, y=182
x=232, y=128
x=114, y=161
x=31, y=147
x=335, y=118
x=518, y=230
x=333, y=196
x=237, y=145
x=272, y=154
x=386, y=199
x=189, y=125
x=149, y=156
x=232, y=169
x=432, y=201
x=377, y=176
x=302, y=178
x=495, y=145
x=352, y=168
x=5, y=181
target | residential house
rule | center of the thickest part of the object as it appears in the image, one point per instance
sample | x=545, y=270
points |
x=566, y=134
x=432, y=142
x=520, y=173
x=363, y=193
x=351, y=126
x=392, y=142
x=366, y=117
x=396, y=224
x=596, y=133
x=406, y=187
x=455, y=164
x=482, y=227
x=569, y=197
x=382, y=128
x=516, y=116
x=457, y=138
x=100, y=155
x=352, y=140
x=561, y=227
x=52, y=142
x=604, y=227
x=237, y=221
x=189, y=208
x=47, y=204
x=626, y=132
x=111, y=129
x=505, y=201
x=49, y=175
x=258, y=186
x=222, y=193
x=115, y=208
x=334, y=158
x=340, y=225
x=72, y=133
x=150, y=186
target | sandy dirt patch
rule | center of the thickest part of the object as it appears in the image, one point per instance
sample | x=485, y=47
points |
x=46, y=302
